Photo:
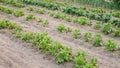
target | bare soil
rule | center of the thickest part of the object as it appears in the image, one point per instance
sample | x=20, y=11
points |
x=15, y=53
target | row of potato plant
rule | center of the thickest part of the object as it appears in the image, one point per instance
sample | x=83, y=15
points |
x=9, y=25
x=63, y=54
x=19, y=13
x=106, y=29
x=40, y=11
x=48, y=45
x=16, y=13
x=97, y=40
x=79, y=20
x=31, y=17
x=49, y=5
x=13, y=2
x=105, y=17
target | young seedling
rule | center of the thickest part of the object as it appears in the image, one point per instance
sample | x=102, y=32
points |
x=68, y=29
x=97, y=25
x=30, y=8
x=68, y=18
x=76, y=33
x=40, y=20
x=111, y=45
x=87, y=36
x=117, y=33
x=61, y=28
x=107, y=28
x=30, y=17
x=97, y=41
x=45, y=23
x=51, y=14
x=40, y=11
x=76, y=20
x=19, y=13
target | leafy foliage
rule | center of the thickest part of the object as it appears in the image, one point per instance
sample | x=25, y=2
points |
x=9, y=25
x=97, y=41
x=28, y=36
x=45, y=23
x=82, y=21
x=116, y=14
x=30, y=8
x=107, y=28
x=49, y=5
x=117, y=33
x=30, y=17
x=13, y=2
x=19, y=13
x=97, y=25
x=40, y=11
x=61, y=28
x=76, y=33
x=55, y=47
x=87, y=36
x=111, y=45
x=64, y=55
x=6, y=10
x=81, y=61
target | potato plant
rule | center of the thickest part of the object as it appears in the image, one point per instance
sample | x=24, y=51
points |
x=68, y=18
x=40, y=20
x=30, y=8
x=57, y=15
x=64, y=55
x=42, y=41
x=116, y=14
x=107, y=28
x=76, y=33
x=111, y=45
x=6, y=10
x=19, y=13
x=45, y=42
x=97, y=40
x=80, y=59
x=68, y=29
x=61, y=28
x=75, y=20
x=30, y=17
x=28, y=36
x=98, y=25
x=20, y=5
x=9, y=25
x=51, y=14
x=45, y=23
x=55, y=47
x=115, y=22
x=106, y=17
x=94, y=61
x=87, y=36
x=48, y=5
x=82, y=21
x=40, y=11
x=117, y=33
